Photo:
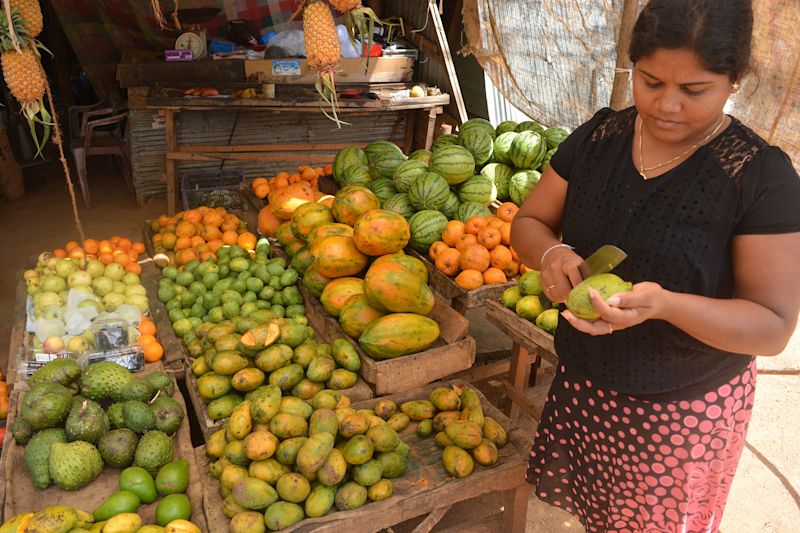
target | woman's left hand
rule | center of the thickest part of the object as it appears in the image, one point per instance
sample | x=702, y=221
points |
x=623, y=310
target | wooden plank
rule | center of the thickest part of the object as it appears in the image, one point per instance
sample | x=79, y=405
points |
x=624, y=74
x=206, y=72
x=172, y=157
x=516, y=511
x=455, y=86
x=521, y=330
x=304, y=147
x=521, y=401
x=172, y=142
x=175, y=355
x=477, y=373
x=349, y=70
x=519, y=372
x=431, y=520
x=19, y=316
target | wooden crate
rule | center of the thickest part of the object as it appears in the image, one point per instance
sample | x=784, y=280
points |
x=455, y=350
x=460, y=299
x=249, y=216
x=22, y=496
x=175, y=355
x=521, y=330
x=425, y=488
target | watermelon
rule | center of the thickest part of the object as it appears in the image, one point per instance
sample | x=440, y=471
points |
x=428, y=191
x=444, y=140
x=529, y=125
x=357, y=175
x=376, y=147
x=522, y=183
x=426, y=228
x=479, y=143
x=505, y=127
x=450, y=207
x=480, y=189
x=546, y=160
x=554, y=137
x=527, y=150
x=383, y=164
x=467, y=210
x=421, y=155
x=500, y=174
x=453, y=163
x=502, y=147
x=400, y=204
x=480, y=124
x=346, y=158
x=383, y=188
x=407, y=172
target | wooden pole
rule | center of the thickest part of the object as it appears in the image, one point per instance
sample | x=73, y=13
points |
x=12, y=185
x=433, y=11
x=619, y=91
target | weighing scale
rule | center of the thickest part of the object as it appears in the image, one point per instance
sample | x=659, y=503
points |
x=194, y=36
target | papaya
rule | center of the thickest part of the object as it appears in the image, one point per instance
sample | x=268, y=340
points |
x=223, y=407
x=394, y=464
x=358, y=450
x=247, y=379
x=320, y=369
x=314, y=280
x=424, y=428
x=291, y=404
x=443, y=440
x=293, y=487
x=380, y=232
x=269, y=470
x=327, y=230
x=383, y=437
x=352, y=425
x=319, y=501
x=260, y=445
x=351, y=202
x=445, y=399
x=398, y=421
x=211, y=386
x=368, y=474
x=333, y=469
x=396, y=290
x=337, y=256
x=401, y=261
x=457, y=462
x=418, y=409
x=357, y=314
x=288, y=449
x=314, y=452
x=240, y=422
x=274, y=357
x=215, y=446
x=307, y=389
x=254, y=494
x=494, y=432
x=249, y=521
x=287, y=377
x=230, y=508
x=307, y=217
x=345, y=355
x=578, y=301
x=485, y=453
x=336, y=293
x=265, y=403
x=287, y=425
x=385, y=408
x=350, y=496
x=464, y=434
x=443, y=418
x=471, y=404
x=399, y=334
x=380, y=491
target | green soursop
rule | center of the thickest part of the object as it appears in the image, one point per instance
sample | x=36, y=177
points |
x=140, y=390
x=138, y=416
x=64, y=371
x=105, y=380
x=22, y=432
x=46, y=405
x=153, y=452
x=169, y=414
x=75, y=464
x=86, y=421
x=117, y=447
x=37, y=455
x=160, y=381
x=115, y=416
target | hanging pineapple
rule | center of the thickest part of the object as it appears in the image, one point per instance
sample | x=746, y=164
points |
x=359, y=21
x=31, y=14
x=24, y=74
x=322, y=51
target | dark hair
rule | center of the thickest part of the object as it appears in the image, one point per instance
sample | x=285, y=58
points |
x=718, y=31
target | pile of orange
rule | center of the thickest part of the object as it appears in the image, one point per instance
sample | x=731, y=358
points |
x=198, y=234
x=114, y=250
x=153, y=351
x=3, y=398
x=263, y=186
x=479, y=251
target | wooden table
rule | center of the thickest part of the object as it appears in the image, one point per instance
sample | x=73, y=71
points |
x=530, y=343
x=294, y=100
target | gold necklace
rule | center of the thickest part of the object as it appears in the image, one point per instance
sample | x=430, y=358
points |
x=642, y=169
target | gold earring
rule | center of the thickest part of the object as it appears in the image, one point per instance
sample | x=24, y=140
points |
x=735, y=86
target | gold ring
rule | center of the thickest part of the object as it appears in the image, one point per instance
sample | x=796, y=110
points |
x=610, y=328
x=550, y=287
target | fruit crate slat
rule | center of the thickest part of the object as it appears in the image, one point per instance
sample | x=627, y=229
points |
x=17, y=337
x=424, y=488
x=22, y=496
x=460, y=299
x=175, y=356
x=521, y=331
x=453, y=352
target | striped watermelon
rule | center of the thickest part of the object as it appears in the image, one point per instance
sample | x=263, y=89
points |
x=467, y=210
x=426, y=228
x=505, y=127
x=407, y=172
x=454, y=163
x=428, y=191
x=376, y=147
x=500, y=174
x=527, y=150
x=480, y=189
x=529, y=125
x=522, y=183
x=546, y=160
x=383, y=188
x=357, y=175
x=502, y=147
x=421, y=155
x=400, y=204
x=478, y=123
x=479, y=143
x=554, y=137
x=450, y=207
x=346, y=158
x=444, y=140
x=383, y=164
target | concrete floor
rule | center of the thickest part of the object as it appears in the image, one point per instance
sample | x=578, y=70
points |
x=764, y=497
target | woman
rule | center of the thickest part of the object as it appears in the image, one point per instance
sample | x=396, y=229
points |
x=646, y=418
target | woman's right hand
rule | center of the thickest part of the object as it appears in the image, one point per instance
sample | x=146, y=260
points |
x=560, y=273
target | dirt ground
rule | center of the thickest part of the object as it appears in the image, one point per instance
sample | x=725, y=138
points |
x=764, y=496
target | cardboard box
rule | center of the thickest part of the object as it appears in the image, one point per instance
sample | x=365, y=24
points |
x=296, y=71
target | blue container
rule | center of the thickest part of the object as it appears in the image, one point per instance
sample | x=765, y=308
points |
x=215, y=189
x=221, y=46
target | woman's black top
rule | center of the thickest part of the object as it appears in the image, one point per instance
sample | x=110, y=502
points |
x=677, y=229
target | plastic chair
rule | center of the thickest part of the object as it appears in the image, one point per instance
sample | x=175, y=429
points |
x=95, y=137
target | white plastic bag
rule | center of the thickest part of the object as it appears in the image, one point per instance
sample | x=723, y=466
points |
x=291, y=41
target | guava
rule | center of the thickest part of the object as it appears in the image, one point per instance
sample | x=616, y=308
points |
x=65, y=267
x=112, y=300
x=139, y=301
x=115, y=271
x=102, y=286
x=53, y=344
x=119, y=287
x=131, y=278
x=135, y=289
x=53, y=284
x=79, y=277
x=607, y=285
x=77, y=345
x=95, y=268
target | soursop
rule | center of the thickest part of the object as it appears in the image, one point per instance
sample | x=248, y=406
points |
x=46, y=405
x=169, y=414
x=115, y=416
x=22, y=432
x=105, y=380
x=153, y=451
x=74, y=464
x=140, y=390
x=64, y=371
x=138, y=416
x=161, y=382
x=117, y=447
x=86, y=421
x=37, y=455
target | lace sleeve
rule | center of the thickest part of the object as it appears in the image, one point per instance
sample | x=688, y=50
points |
x=770, y=195
x=564, y=158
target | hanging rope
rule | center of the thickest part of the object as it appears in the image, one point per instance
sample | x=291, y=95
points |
x=58, y=141
x=157, y=13
x=11, y=32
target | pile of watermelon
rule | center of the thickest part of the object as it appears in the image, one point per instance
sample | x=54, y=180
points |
x=460, y=177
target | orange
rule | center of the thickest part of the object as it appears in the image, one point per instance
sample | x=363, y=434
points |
x=213, y=218
x=136, y=268
x=76, y=253
x=60, y=253
x=206, y=255
x=214, y=245
x=501, y=257
x=465, y=240
x=182, y=243
x=153, y=352
x=328, y=169
x=138, y=247
x=124, y=244
x=261, y=180
x=489, y=237
x=115, y=239
x=186, y=229
x=475, y=257
x=261, y=191
x=105, y=246
x=193, y=215
x=507, y=211
x=90, y=245
x=230, y=237
x=448, y=261
x=469, y=280
x=122, y=259
x=169, y=240
x=282, y=175
x=106, y=258
x=163, y=220
x=436, y=249
x=505, y=233
x=452, y=231
x=197, y=240
x=146, y=338
x=475, y=224
x=201, y=248
x=184, y=256
x=230, y=225
x=281, y=181
x=247, y=241
x=133, y=256
x=70, y=245
x=308, y=174
x=211, y=232
x=494, y=276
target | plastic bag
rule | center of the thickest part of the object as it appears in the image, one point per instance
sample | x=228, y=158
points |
x=110, y=334
x=290, y=42
x=348, y=50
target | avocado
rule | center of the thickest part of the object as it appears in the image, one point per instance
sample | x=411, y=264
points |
x=117, y=447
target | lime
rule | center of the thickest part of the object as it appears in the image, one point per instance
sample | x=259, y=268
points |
x=210, y=300
x=215, y=314
x=275, y=269
x=529, y=307
x=198, y=288
x=529, y=283
x=170, y=272
x=210, y=279
x=249, y=296
x=230, y=309
x=223, y=252
x=548, y=320
x=231, y=296
x=182, y=326
x=184, y=279
x=166, y=293
x=239, y=264
x=510, y=297
x=238, y=286
x=238, y=251
x=267, y=293
x=175, y=315
x=191, y=265
x=253, y=284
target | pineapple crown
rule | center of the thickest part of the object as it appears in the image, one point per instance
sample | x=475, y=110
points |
x=18, y=24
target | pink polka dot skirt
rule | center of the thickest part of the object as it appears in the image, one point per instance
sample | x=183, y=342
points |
x=625, y=464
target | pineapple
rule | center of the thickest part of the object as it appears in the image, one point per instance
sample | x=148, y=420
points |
x=359, y=21
x=343, y=6
x=24, y=75
x=31, y=14
x=322, y=51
